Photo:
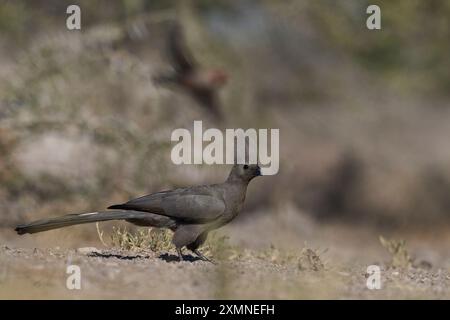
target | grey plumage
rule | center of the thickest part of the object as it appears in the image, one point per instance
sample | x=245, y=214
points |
x=190, y=212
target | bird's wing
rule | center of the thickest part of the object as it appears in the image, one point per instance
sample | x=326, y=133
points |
x=209, y=99
x=194, y=204
x=179, y=55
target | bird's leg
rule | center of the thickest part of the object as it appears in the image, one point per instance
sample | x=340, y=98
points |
x=180, y=254
x=203, y=257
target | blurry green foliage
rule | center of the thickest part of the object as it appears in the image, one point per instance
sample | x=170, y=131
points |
x=13, y=18
x=412, y=45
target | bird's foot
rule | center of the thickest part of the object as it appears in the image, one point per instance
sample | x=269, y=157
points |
x=180, y=254
x=203, y=257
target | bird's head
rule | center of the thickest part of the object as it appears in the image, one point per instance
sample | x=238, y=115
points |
x=218, y=78
x=244, y=172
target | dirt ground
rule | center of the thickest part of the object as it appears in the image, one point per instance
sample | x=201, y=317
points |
x=280, y=264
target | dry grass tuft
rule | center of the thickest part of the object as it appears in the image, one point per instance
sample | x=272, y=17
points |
x=218, y=247
x=275, y=255
x=143, y=239
x=400, y=257
x=310, y=259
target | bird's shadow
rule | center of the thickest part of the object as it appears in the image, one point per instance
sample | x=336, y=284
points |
x=167, y=257
x=116, y=255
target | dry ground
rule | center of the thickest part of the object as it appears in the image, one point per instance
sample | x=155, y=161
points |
x=252, y=269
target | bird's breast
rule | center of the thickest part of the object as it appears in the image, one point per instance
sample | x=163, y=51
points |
x=234, y=204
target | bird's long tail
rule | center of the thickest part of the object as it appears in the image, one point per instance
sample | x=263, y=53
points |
x=73, y=219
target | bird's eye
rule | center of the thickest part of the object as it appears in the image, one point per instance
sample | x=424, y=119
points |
x=245, y=167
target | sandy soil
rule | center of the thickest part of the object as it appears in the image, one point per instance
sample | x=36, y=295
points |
x=28, y=270
x=109, y=274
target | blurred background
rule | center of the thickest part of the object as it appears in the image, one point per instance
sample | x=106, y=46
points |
x=364, y=116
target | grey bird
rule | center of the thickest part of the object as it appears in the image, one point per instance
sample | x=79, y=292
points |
x=189, y=212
